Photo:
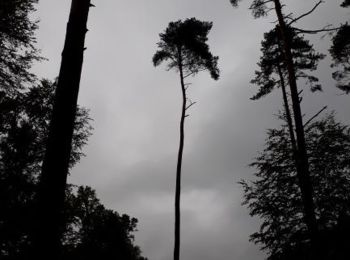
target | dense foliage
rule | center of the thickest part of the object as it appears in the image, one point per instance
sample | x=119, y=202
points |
x=275, y=197
x=184, y=44
x=272, y=65
x=23, y=133
x=16, y=43
x=92, y=230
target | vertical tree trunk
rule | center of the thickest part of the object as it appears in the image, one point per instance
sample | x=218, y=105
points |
x=302, y=164
x=288, y=113
x=179, y=164
x=51, y=193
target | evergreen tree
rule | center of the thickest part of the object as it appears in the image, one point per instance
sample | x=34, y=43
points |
x=261, y=8
x=184, y=45
x=271, y=63
x=273, y=71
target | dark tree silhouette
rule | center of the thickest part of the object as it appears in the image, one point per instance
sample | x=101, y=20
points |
x=16, y=43
x=346, y=3
x=184, y=45
x=272, y=71
x=53, y=178
x=275, y=197
x=340, y=52
x=262, y=8
x=91, y=231
x=23, y=135
x=94, y=232
x=271, y=63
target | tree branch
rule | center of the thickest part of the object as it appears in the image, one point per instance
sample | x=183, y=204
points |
x=193, y=72
x=191, y=104
x=261, y=3
x=316, y=115
x=324, y=29
x=307, y=13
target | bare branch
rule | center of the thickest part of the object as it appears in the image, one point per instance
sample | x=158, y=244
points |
x=193, y=72
x=187, y=85
x=316, y=115
x=191, y=104
x=307, y=13
x=288, y=16
x=324, y=29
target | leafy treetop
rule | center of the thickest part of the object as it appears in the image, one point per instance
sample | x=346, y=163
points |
x=184, y=44
x=272, y=62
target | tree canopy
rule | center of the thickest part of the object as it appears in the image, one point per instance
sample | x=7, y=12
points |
x=185, y=42
x=272, y=62
x=91, y=229
x=23, y=134
x=275, y=196
x=94, y=232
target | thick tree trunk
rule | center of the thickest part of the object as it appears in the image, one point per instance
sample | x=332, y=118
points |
x=179, y=164
x=51, y=193
x=302, y=164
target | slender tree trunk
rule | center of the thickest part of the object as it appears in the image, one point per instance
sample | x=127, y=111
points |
x=302, y=164
x=288, y=113
x=51, y=193
x=179, y=164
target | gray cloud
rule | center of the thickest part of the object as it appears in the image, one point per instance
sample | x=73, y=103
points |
x=131, y=157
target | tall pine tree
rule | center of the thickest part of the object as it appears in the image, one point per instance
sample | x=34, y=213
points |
x=184, y=45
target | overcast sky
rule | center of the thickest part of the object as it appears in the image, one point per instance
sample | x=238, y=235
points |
x=131, y=157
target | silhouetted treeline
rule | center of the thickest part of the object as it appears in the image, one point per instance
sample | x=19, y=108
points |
x=89, y=230
x=302, y=186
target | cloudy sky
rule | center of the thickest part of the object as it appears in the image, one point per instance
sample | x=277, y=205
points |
x=131, y=157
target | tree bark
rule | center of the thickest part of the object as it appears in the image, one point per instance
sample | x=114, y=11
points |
x=179, y=163
x=302, y=164
x=51, y=193
x=288, y=113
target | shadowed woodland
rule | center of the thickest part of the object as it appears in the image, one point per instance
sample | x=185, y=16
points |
x=301, y=187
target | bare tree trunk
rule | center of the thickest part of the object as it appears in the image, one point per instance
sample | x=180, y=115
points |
x=302, y=164
x=288, y=113
x=51, y=193
x=179, y=164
